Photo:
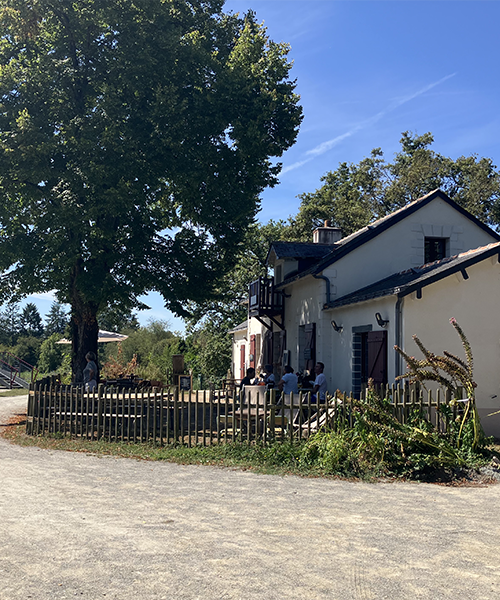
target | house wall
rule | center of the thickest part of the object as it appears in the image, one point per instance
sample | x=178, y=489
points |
x=304, y=306
x=239, y=339
x=354, y=318
x=474, y=303
x=401, y=247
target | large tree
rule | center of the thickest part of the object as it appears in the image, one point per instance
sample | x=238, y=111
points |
x=135, y=139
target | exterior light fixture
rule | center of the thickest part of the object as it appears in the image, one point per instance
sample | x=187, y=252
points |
x=381, y=322
x=337, y=328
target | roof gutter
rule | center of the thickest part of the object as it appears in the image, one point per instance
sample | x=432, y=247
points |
x=327, y=281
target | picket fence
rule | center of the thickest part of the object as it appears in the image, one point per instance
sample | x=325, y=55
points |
x=163, y=416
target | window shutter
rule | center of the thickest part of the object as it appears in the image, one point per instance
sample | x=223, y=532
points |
x=377, y=356
x=310, y=347
x=251, y=358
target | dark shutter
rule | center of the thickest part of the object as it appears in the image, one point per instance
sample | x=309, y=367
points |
x=377, y=356
x=267, y=348
x=310, y=347
x=279, y=359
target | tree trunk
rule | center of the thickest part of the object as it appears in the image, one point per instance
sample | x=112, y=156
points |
x=85, y=330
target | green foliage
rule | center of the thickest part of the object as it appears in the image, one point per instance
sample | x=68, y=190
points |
x=355, y=194
x=377, y=444
x=27, y=349
x=135, y=139
x=153, y=347
x=454, y=374
x=10, y=320
x=209, y=354
x=52, y=354
x=56, y=320
x=117, y=318
x=30, y=321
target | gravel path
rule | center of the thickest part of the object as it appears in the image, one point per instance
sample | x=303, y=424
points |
x=76, y=525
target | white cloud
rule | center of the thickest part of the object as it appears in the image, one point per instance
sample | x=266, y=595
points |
x=51, y=296
x=329, y=144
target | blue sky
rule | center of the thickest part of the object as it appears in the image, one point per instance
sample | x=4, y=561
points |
x=366, y=72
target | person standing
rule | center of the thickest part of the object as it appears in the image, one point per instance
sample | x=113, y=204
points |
x=90, y=372
x=320, y=385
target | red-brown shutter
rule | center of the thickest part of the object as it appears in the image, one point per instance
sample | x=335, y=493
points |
x=251, y=358
x=377, y=356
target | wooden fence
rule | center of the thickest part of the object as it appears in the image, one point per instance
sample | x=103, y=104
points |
x=204, y=417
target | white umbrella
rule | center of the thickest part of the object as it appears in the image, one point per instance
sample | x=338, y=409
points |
x=103, y=336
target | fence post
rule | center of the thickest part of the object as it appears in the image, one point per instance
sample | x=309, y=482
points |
x=100, y=393
x=176, y=414
x=30, y=409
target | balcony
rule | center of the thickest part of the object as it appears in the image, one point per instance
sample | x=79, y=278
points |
x=263, y=301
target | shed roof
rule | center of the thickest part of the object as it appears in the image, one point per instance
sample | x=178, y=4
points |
x=241, y=327
x=298, y=250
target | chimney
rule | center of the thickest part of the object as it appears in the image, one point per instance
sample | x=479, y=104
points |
x=327, y=234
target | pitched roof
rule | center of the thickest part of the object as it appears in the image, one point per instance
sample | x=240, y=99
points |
x=360, y=237
x=406, y=282
x=299, y=250
x=241, y=327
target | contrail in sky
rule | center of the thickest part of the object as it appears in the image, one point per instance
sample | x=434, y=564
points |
x=329, y=144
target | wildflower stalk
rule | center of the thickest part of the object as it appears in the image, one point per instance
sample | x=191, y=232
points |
x=450, y=372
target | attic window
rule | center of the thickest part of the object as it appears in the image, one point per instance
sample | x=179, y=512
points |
x=435, y=249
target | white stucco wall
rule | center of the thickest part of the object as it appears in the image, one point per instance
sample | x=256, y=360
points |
x=401, y=247
x=304, y=306
x=475, y=304
x=239, y=339
x=340, y=367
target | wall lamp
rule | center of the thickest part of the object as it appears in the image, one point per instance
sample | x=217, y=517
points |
x=381, y=322
x=337, y=328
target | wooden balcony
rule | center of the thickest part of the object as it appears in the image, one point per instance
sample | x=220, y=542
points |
x=263, y=300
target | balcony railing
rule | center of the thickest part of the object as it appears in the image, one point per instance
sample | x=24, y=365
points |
x=263, y=300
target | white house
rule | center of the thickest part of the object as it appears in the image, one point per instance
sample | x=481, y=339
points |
x=348, y=301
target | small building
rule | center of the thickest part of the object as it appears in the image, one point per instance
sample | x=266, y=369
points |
x=346, y=301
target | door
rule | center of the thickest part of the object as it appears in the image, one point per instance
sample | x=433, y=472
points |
x=377, y=356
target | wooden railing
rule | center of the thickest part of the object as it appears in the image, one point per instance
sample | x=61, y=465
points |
x=262, y=299
x=10, y=368
x=203, y=417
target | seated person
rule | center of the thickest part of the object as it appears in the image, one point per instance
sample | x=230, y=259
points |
x=248, y=379
x=289, y=381
x=268, y=376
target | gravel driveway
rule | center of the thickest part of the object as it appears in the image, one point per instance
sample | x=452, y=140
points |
x=75, y=525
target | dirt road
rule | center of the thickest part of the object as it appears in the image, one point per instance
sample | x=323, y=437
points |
x=75, y=525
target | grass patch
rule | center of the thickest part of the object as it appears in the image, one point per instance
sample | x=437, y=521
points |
x=15, y=392
x=277, y=458
x=326, y=454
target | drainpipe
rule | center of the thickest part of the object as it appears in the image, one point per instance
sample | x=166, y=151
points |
x=398, y=333
x=327, y=286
